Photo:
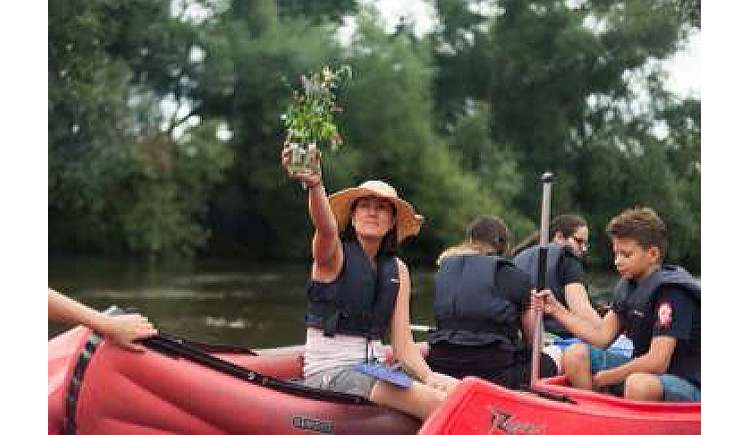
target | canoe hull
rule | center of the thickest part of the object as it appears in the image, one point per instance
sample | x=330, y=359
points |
x=150, y=393
x=479, y=407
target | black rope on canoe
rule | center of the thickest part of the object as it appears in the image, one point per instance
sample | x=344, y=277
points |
x=76, y=382
x=557, y=397
x=212, y=347
x=177, y=347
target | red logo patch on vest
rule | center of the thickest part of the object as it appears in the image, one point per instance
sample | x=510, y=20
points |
x=665, y=315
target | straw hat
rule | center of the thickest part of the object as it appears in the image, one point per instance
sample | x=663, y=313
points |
x=407, y=221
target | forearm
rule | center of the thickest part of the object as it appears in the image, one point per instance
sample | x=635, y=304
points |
x=591, y=316
x=413, y=363
x=320, y=211
x=63, y=309
x=405, y=351
x=592, y=333
x=579, y=303
x=647, y=363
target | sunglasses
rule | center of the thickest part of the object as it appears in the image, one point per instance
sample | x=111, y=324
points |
x=583, y=243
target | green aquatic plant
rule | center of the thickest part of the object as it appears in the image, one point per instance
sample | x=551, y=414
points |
x=309, y=118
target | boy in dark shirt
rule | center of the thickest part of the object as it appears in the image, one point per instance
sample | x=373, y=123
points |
x=655, y=305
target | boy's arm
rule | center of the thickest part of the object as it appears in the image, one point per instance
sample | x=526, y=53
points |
x=600, y=334
x=655, y=361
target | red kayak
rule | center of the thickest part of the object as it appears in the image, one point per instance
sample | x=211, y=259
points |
x=177, y=386
x=479, y=407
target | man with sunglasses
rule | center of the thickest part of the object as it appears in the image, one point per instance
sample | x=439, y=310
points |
x=566, y=277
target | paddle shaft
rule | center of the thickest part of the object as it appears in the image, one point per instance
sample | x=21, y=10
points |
x=541, y=275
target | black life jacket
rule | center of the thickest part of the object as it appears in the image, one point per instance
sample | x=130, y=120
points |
x=360, y=301
x=636, y=303
x=528, y=261
x=468, y=308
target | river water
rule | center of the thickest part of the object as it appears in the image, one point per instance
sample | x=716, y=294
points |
x=240, y=303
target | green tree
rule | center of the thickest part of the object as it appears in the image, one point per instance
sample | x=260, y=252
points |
x=318, y=11
x=252, y=54
x=391, y=87
x=575, y=88
x=125, y=176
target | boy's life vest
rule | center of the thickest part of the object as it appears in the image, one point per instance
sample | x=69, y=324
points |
x=528, y=261
x=470, y=310
x=635, y=301
x=360, y=301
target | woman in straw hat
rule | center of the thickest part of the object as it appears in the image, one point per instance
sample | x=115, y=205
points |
x=359, y=291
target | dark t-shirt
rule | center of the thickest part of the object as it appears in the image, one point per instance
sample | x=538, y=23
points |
x=570, y=270
x=675, y=314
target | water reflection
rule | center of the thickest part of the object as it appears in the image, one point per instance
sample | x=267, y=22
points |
x=252, y=305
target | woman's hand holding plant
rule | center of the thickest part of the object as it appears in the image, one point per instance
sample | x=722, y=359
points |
x=310, y=177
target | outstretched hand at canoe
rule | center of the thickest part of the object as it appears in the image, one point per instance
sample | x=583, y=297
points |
x=123, y=330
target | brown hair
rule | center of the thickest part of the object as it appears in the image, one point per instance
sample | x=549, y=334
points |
x=486, y=235
x=642, y=225
x=490, y=231
x=567, y=224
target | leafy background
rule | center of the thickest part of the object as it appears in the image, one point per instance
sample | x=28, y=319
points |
x=164, y=131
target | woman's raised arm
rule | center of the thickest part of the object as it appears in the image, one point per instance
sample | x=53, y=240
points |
x=326, y=246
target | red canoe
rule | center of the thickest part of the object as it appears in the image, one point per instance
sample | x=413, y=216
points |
x=102, y=389
x=479, y=407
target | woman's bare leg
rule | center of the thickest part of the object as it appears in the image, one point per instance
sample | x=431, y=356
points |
x=418, y=400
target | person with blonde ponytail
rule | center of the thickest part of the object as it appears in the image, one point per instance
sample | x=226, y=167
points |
x=481, y=303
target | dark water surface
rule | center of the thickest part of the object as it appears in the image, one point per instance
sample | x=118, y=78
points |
x=241, y=303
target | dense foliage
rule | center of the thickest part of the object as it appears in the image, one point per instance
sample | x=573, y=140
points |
x=164, y=132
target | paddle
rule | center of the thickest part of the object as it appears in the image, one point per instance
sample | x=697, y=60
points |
x=541, y=275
